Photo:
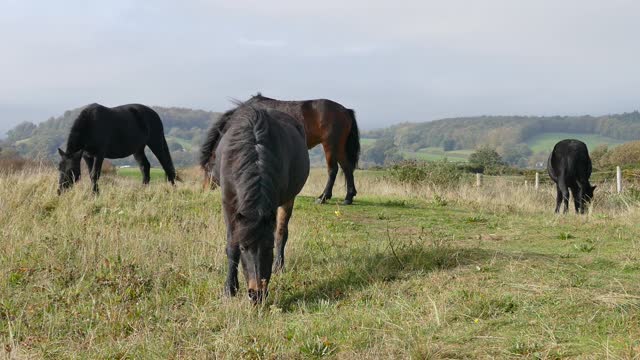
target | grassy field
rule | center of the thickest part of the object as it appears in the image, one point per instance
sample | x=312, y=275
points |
x=406, y=272
x=157, y=174
x=546, y=141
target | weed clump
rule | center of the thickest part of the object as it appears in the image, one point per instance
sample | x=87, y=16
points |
x=438, y=173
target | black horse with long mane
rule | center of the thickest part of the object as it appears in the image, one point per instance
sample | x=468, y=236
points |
x=262, y=163
x=325, y=122
x=100, y=132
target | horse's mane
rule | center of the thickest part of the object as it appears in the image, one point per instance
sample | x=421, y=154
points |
x=259, y=96
x=74, y=141
x=255, y=169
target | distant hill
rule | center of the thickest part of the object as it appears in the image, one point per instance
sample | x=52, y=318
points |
x=184, y=129
x=521, y=140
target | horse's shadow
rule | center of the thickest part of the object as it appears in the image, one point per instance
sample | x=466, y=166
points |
x=365, y=269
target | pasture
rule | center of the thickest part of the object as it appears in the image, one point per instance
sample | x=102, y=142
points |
x=157, y=175
x=437, y=154
x=407, y=272
x=546, y=141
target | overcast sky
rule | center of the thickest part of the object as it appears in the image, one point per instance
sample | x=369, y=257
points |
x=391, y=61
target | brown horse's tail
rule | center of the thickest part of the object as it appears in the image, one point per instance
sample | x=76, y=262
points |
x=353, y=141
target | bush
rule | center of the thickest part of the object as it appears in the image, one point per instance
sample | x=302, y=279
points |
x=440, y=173
x=107, y=168
x=12, y=162
x=625, y=154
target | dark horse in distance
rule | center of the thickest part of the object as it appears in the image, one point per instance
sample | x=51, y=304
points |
x=325, y=122
x=569, y=166
x=261, y=163
x=100, y=132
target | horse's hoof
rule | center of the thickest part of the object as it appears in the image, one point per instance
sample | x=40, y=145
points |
x=230, y=291
x=347, y=202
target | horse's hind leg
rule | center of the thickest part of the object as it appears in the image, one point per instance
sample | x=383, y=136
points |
x=577, y=199
x=233, y=256
x=282, y=234
x=95, y=172
x=351, y=185
x=89, y=160
x=145, y=166
x=161, y=150
x=332, y=165
x=558, y=198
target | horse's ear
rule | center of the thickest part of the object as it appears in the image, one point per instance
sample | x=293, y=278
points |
x=62, y=153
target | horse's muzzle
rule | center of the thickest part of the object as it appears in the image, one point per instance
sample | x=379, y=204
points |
x=257, y=296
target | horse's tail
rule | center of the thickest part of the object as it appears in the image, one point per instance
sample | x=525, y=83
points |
x=353, y=141
x=169, y=161
x=214, y=134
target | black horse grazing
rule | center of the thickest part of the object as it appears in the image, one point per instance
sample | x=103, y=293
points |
x=262, y=163
x=569, y=166
x=100, y=132
x=326, y=122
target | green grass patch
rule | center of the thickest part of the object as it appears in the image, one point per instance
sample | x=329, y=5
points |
x=436, y=154
x=156, y=174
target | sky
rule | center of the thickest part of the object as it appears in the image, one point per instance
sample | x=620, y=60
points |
x=391, y=61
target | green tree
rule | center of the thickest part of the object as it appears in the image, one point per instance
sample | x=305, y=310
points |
x=484, y=158
x=516, y=154
x=383, y=151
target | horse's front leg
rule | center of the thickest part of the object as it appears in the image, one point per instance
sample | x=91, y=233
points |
x=282, y=234
x=95, y=172
x=233, y=256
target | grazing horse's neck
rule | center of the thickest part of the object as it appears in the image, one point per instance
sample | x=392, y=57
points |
x=74, y=142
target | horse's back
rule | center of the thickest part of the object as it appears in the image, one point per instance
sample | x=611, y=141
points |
x=284, y=144
x=119, y=131
x=291, y=150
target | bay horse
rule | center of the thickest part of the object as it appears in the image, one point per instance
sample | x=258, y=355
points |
x=569, y=166
x=261, y=163
x=325, y=122
x=100, y=132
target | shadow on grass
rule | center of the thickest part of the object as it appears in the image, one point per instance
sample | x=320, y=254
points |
x=357, y=203
x=365, y=269
x=402, y=204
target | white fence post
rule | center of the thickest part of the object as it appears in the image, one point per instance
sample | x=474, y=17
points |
x=478, y=179
x=537, y=184
x=618, y=179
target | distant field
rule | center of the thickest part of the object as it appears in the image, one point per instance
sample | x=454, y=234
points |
x=367, y=141
x=186, y=144
x=435, y=154
x=546, y=141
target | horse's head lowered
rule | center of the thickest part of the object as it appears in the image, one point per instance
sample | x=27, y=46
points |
x=256, y=240
x=69, y=168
